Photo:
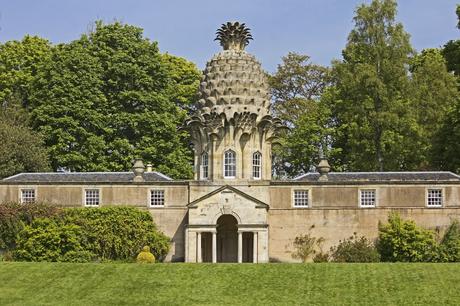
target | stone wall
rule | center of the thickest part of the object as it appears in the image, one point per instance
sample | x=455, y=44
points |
x=334, y=212
x=336, y=224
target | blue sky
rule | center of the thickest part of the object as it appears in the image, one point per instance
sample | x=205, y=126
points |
x=186, y=28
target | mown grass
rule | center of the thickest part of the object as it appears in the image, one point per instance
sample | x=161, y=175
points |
x=228, y=284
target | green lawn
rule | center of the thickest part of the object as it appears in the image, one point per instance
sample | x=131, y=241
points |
x=230, y=284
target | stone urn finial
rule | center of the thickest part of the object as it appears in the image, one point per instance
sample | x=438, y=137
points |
x=323, y=169
x=233, y=36
x=138, y=169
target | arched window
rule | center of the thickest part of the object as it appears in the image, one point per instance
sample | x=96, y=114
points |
x=204, y=165
x=256, y=165
x=229, y=164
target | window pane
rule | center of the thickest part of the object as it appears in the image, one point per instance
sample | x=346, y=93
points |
x=301, y=198
x=229, y=164
x=27, y=195
x=256, y=165
x=204, y=165
x=368, y=198
x=157, y=197
x=92, y=197
x=434, y=197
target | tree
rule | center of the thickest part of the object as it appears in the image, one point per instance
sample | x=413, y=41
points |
x=446, y=146
x=69, y=108
x=375, y=129
x=19, y=63
x=458, y=15
x=296, y=88
x=184, y=80
x=110, y=97
x=434, y=92
x=451, y=52
x=21, y=149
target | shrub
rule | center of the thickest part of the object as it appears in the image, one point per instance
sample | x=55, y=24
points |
x=403, y=241
x=117, y=233
x=14, y=216
x=6, y=256
x=10, y=225
x=145, y=256
x=321, y=257
x=449, y=248
x=305, y=245
x=355, y=249
x=47, y=240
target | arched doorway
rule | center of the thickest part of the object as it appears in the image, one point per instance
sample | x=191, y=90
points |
x=227, y=239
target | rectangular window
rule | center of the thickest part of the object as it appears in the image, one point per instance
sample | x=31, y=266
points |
x=300, y=198
x=229, y=164
x=92, y=197
x=27, y=195
x=256, y=165
x=157, y=198
x=367, y=198
x=434, y=198
x=204, y=165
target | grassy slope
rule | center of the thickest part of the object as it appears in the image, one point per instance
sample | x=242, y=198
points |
x=187, y=284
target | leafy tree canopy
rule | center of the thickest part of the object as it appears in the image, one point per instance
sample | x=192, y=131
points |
x=296, y=87
x=375, y=129
x=434, y=93
x=109, y=97
x=458, y=15
x=21, y=149
x=19, y=63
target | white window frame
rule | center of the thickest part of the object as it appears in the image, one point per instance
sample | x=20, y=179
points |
x=204, y=166
x=229, y=165
x=360, y=197
x=309, y=199
x=85, y=198
x=163, y=197
x=25, y=189
x=427, y=197
x=257, y=168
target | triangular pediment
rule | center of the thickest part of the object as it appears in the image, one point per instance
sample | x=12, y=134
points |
x=259, y=203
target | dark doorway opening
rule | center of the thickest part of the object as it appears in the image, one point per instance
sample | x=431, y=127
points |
x=248, y=246
x=227, y=239
x=206, y=247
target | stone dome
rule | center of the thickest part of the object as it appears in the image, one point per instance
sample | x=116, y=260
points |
x=234, y=82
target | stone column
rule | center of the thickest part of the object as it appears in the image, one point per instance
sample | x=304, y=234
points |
x=263, y=245
x=214, y=247
x=254, y=247
x=240, y=247
x=198, y=247
x=186, y=259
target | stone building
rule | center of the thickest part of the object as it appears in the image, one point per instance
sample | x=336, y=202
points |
x=233, y=211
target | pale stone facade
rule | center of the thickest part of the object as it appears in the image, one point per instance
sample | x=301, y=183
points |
x=233, y=211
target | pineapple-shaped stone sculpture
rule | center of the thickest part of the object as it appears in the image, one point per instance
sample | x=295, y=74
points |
x=234, y=81
x=233, y=111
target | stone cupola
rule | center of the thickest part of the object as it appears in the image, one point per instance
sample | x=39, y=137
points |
x=232, y=128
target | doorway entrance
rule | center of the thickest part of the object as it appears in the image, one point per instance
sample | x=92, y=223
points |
x=248, y=247
x=227, y=239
